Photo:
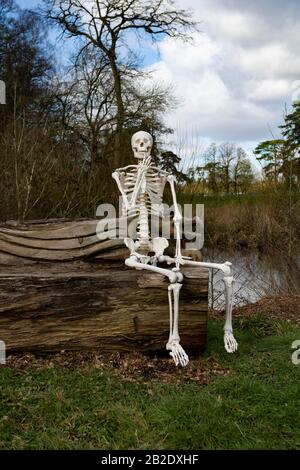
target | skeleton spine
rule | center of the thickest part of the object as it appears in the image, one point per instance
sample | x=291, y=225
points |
x=143, y=226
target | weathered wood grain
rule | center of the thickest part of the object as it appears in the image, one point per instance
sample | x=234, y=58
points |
x=80, y=305
x=60, y=240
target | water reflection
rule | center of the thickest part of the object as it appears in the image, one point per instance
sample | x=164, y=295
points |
x=256, y=276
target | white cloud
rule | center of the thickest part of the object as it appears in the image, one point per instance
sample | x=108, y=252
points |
x=269, y=89
x=269, y=60
x=237, y=77
x=235, y=25
x=202, y=54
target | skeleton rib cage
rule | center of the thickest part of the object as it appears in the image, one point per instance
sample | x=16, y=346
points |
x=151, y=198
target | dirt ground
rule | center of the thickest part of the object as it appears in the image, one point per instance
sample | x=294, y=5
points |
x=278, y=307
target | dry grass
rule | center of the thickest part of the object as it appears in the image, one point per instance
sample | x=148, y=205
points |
x=266, y=227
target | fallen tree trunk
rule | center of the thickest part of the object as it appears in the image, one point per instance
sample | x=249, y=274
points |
x=64, y=285
x=84, y=305
x=63, y=240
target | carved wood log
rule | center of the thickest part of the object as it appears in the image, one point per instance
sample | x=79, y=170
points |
x=59, y=240
x=63, y=287
x=80, y=305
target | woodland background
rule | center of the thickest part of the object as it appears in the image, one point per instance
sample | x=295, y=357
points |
x=65, y=128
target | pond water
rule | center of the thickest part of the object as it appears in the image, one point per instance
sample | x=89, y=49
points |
x=256, y=276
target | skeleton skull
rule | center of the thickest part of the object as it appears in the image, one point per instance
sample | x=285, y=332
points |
x=141, y=143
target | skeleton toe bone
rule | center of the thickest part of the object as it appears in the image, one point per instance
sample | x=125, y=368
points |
x=230, y=342
x=177, y=353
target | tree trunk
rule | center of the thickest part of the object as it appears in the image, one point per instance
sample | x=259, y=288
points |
x=120, y=111
x=83, y=305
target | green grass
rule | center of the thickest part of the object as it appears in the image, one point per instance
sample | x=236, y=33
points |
x=255, y=406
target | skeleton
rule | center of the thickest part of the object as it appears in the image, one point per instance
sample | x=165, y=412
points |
x=141, y=187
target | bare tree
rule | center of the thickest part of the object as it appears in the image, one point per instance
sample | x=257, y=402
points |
x=87, y=106
x=105, y=25
x=212, y=167
x=227, y=155
x=86, y=101
x=242, y=173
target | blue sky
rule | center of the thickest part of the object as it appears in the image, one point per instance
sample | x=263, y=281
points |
x=28, y=3
x=235, y=80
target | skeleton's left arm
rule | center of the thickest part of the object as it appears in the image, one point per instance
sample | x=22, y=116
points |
x=177, y=220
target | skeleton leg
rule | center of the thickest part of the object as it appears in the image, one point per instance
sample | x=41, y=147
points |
x=173, y=345
x=230, y=342
x=133, y=262
x=171, y=315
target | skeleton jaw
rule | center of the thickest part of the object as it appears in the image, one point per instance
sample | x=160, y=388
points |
x=141, y=154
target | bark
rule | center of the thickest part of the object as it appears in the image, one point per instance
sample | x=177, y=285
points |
x=83, y=306
x=120, y=118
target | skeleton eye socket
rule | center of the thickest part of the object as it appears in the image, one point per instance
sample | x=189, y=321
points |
x=137, y=141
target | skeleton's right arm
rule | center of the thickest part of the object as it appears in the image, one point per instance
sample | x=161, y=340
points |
x=116, y=177
x=139, y=179
x=141, y=172
x=129, y=204
x=137, y=186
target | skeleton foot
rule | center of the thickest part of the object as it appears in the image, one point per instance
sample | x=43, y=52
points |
x=173, y=345
x=177, y=353
x=230, y=342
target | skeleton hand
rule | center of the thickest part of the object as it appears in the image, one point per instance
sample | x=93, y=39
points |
x=180, y=259
x=143, y=167
x=169, y=260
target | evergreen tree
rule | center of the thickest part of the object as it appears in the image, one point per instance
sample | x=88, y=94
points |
x=270, y=153
x=291, y=126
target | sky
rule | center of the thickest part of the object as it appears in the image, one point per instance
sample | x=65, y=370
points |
x=241, y=71
x=239, y=74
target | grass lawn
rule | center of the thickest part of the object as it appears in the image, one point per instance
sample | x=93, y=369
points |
x=247, y=401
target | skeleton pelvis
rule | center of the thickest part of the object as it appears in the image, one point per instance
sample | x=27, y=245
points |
x=144, y=246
